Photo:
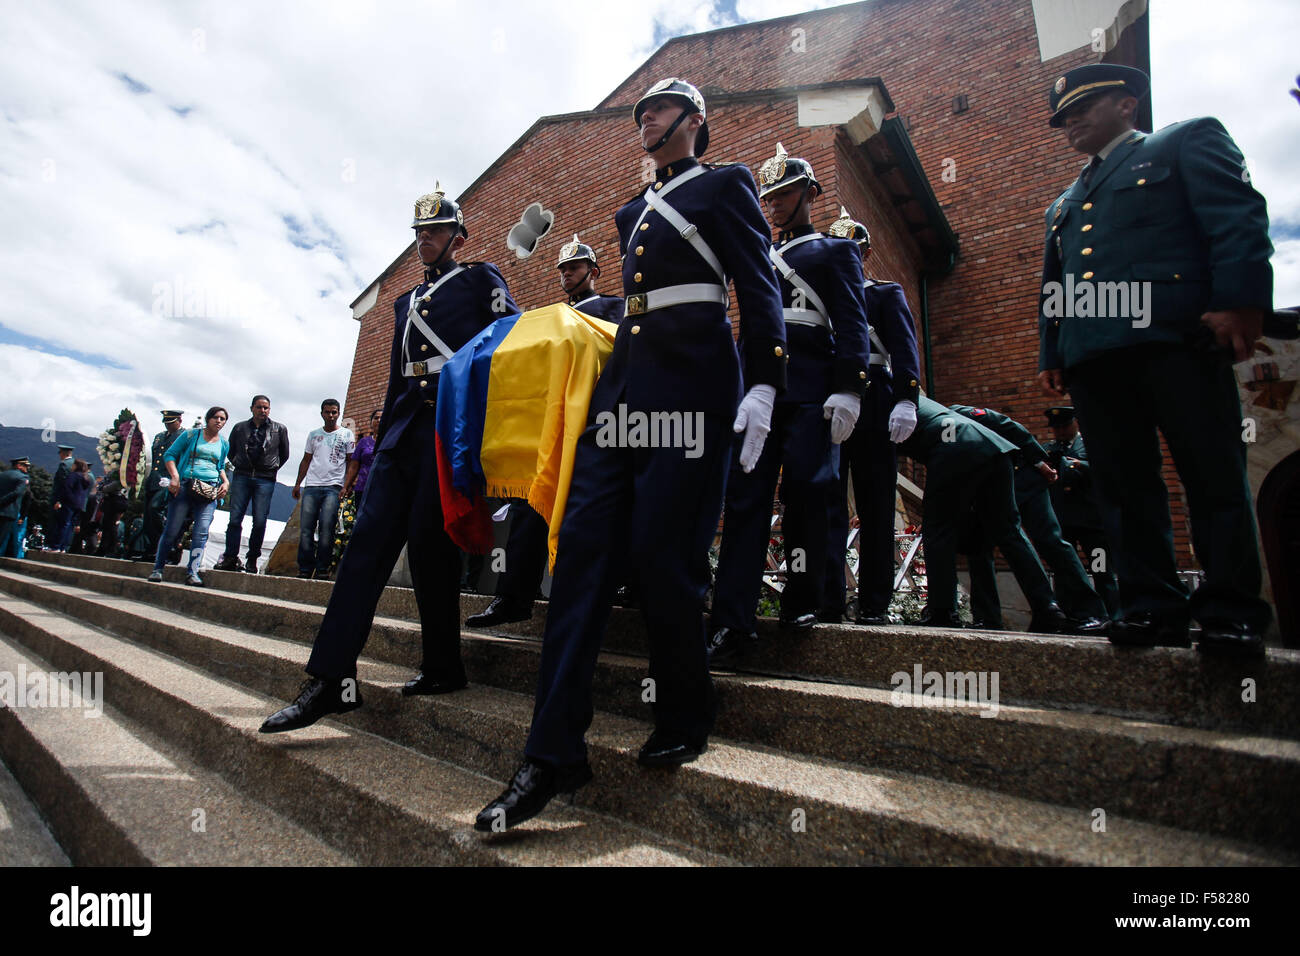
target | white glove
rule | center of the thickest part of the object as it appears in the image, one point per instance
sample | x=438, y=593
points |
x=754, y=418
x=902, y=421
x=842, y=410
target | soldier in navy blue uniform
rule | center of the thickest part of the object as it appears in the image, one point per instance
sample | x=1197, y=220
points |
x=1075, y=504
x=526, y=549
x=826, y=331
x=1170, y=219
x=1034, y=474
x=653, y=511
x=870, y=453
x=61, y=516
x=454, y=303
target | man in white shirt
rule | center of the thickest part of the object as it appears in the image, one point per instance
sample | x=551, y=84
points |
x=320, y=479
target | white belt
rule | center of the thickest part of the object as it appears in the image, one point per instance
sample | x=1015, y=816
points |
x=805, y=317
x=430, y=367
x=644, y=302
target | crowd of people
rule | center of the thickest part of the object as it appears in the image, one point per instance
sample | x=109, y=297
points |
x=819, y=390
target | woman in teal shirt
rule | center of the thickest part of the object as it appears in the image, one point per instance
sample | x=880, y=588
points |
x=201, y=454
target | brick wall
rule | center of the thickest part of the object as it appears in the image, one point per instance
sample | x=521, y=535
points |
x=1004, y=166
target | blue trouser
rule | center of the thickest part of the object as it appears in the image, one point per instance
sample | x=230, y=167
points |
x=526, y=554
x=873, y=459
x=1190, y=396
x=185, y=505
x=10, y=537
x=652, y=512
x=243, y=490
x=320, y=504
x=401, y=506
x=64, y=527
x=798, y=450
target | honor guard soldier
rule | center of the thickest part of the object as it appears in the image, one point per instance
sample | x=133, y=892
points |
x=1033, y=476
x=656, y=509
x=14, y=489
x=968, y=469
x=61, y=515
x=526, y=550
x=1075, y=504
x=454, y=303
x=870, y=453
x=156, y=497
x=1171, y=220
x=826, y=331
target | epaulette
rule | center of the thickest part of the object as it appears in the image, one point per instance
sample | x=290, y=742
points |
x=719, y=165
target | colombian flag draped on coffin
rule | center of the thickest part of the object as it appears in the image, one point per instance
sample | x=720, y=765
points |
x=511, y=406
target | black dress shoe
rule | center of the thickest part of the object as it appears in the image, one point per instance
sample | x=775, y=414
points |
x=987, y=625
x=798, y=622
x=830, y=617
x=873, y=619
x=1230, y=639
x=502, y=610
x=942, y=619
x=422, y=685
x=1049, y=620
x=317, y=698
x=1087, y=627
x=664, y=750
x=228, y=563
x=728, y=645
x=1146, y=629
x=532, y=788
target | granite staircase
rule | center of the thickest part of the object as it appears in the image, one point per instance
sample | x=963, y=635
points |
x=1075, y=752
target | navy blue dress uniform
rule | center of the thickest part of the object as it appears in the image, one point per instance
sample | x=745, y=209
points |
x=61, y=516
x=402, y=506
x=1172, y=216
x=652, y=512
x=1076, y=597
x=526, y=547
x=157, y=498
x=968, y=469
x=826, y=334
x=14, y=490
x=1075, y=504
x=870, y=455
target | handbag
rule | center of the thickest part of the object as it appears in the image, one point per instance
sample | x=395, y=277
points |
x=203, y=490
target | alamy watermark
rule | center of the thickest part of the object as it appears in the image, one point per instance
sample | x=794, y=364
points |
x=923, y=688
x=1098, y=300
x=636, y=429
x=53, y=689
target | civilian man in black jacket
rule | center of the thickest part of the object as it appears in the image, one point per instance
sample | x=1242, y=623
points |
x=258, y=448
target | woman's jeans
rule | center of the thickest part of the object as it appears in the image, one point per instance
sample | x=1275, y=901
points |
x=183, y=506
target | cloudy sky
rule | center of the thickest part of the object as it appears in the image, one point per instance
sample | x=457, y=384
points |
x=191, y=193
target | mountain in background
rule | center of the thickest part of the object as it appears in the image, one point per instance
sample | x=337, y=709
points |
x=16, y=442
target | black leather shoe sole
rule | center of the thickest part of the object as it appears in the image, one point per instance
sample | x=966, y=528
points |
x=672, y=755
x=804, y=622
x=1125, y=634
x=426, y=687
x=1229, y=643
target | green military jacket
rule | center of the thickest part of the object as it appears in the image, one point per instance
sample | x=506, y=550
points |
x=1029, y=480
x=13, y=488
x=1169, y=227
x=950, y=445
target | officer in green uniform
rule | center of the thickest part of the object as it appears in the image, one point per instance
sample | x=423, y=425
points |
x=1156, y=278
x=1075, y=504
x=13, y=491
x=157, y=497
x=1033, y=476
x=968, y=469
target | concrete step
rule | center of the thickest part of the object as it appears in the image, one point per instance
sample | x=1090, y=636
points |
x=747, y=801
x=1140, y=769
x=1159, y=685
x=116, y=795
x=25, y=839
x=370, y=799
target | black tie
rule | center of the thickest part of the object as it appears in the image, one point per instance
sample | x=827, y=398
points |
x=1086, y=175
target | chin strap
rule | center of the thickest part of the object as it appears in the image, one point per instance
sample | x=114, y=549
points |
x=441, y=255
x=577, y=290
x=799, y=205
x=671, y=129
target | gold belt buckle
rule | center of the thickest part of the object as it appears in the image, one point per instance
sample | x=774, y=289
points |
x=636, y=304
x=419, y=368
